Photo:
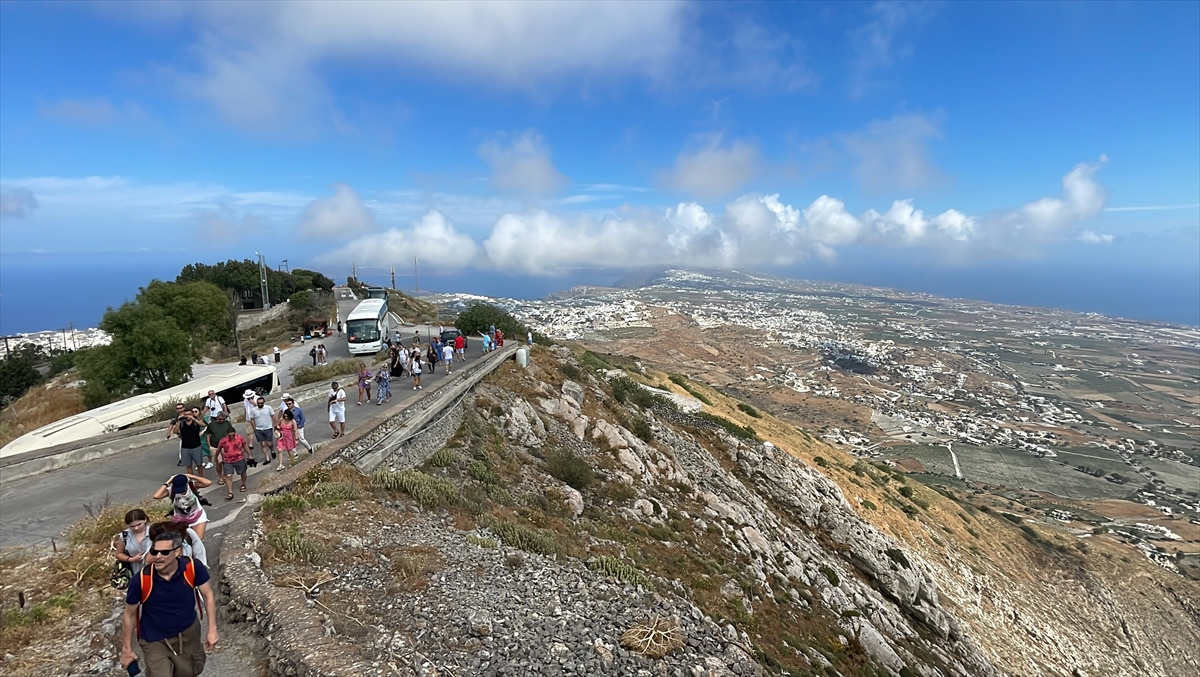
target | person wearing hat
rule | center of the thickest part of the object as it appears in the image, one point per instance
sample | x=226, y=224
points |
x=185, y=502
x=217, y=430
x=289, y=404
x=249, y=400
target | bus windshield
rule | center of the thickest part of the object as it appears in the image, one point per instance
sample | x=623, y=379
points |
x=362, y=331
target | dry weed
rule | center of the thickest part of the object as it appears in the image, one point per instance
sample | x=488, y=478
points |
x=655, y=638
x=42, y=405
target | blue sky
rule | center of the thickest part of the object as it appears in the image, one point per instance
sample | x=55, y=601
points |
x=528, y=146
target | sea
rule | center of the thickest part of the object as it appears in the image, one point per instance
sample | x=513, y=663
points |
x=52, y=292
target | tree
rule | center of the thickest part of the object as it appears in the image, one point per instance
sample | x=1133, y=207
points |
x=480, y=317
x=199, y=308
x=311, y=279
x=149, y=352
x=17, y=375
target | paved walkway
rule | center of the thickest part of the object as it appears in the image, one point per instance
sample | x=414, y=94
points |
x=34, y=510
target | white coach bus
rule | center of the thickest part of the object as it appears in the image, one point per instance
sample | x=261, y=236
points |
x=229, y=381
x=368, y=327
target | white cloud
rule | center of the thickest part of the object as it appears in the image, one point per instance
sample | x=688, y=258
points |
x=894, y=154
x=17, y=202
x=433, y=239
x=1092, y=237
x=224, y=223
x=712, y=169
x=523, y=166
x=343, y=214
x=259, y=62
x=880, y=41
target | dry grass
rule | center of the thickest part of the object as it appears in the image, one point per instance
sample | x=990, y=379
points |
x=65, y=593
x=41, y=406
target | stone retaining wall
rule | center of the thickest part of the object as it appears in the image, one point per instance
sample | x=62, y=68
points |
x=252, y=318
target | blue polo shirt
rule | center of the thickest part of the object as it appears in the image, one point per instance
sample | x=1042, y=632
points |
x=171, y=608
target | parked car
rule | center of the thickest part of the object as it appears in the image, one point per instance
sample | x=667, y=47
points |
x=448, y=335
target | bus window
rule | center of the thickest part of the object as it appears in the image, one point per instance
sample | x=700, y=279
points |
x=362, y=331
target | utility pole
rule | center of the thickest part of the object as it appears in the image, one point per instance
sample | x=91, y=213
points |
x=393, y=278
x=262, y=279
x=283, y=267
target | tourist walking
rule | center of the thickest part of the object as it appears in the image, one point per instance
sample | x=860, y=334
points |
x=161, y=605
x=193, y=546
x=277, y=354
x=185, y=502
x=312, y=352
x=337, y=410
x=249, y=399
x=287, y=438
x=215, y=404
x=383, y=383
x=231, y=451
x=447, y=356
x=191, y=452
x=263, y=416
x=205, y=451
x=364, y=383
x=216, y=431
x=415, y=369
x=131, y=545
x=460, y=347
x=431, y=358
x=322, y=355
x=300, y=418
x=173, y=428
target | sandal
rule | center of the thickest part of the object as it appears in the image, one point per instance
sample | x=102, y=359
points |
x=242, y=489
x=229, y=496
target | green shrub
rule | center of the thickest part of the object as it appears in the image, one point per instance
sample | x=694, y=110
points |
x=821, y=461
x=570, y=469
x=480, y=471
x=326, y=372
x=628, y=391
x=482, y=541
x=571, y=371
x=443, y=458
x=499, y=494
x=640, y=427
x=427, y=490
x=682, y=382
x=312, y=477
x=906, y=492
x=282, y=503
x=593, y=361
x=869, y=505
x=329, y=494
x=749, y=410
x=830, y=575
x=292, y=545
x=744, y=432
x=519, y=536
x=619, y=569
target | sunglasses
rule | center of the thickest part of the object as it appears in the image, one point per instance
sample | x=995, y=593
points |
x=158, y=553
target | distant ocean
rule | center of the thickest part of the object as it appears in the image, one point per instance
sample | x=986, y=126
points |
x=40, y=292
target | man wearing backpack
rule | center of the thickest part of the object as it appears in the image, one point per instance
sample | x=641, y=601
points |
x=161, y=604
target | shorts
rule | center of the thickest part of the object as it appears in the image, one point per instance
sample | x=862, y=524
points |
x=337, y=416
x=267, y=435
x=236, y=467
x=179, y=655
x=191, y=456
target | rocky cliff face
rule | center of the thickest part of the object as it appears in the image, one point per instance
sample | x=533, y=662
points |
x=572, y=515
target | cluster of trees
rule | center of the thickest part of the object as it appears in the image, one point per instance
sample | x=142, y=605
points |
x=157, y=336
x=479, y=317
x=18, y=372
x=243, y=278
x=155, y=339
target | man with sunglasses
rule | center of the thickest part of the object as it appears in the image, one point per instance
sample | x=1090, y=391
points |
x=167, y=625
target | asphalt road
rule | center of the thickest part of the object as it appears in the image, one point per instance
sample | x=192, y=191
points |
x=34, y=510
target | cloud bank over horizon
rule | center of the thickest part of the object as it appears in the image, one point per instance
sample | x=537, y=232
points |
x=753, y=229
